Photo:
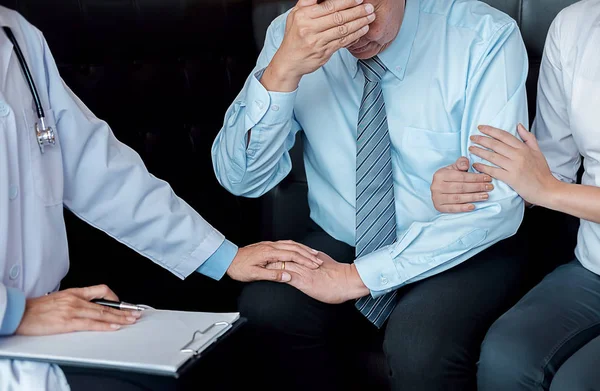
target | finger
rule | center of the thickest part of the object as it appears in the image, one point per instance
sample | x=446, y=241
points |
x=103, y=315
x=461, y=164
x=466, y=177
x=95, y=292
x=456, y=199
x=501, y=135
x=490, y=156
x=464, y=187
x=528, y=137
x=328, y=7
x=306, y=3
x=114, y=311
x=341, y=18
x=86, y=324
x=299, y=249
x=494, y=172
x=495, y=145
x=346, y=34
x=309, y=249
x=456, y=208
x=268, y=274
x=290, y=256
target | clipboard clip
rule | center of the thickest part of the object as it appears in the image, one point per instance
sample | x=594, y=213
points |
x=200, y=333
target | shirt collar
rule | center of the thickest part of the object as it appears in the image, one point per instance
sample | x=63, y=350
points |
x=395, y=57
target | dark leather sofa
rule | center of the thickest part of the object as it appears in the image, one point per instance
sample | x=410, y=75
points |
x=162, y=73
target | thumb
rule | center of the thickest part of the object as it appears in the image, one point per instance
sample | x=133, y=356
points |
x=528, y=137
x=461, y=164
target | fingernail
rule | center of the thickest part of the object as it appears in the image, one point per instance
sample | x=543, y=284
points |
x=369, y=8
x=471, y=207
x=359, y=1
x=317, y=265
x=473, y=138
x=136, y=314
x=314, y=251
x=484, y=196
x=487, y=178
x=115, y=326
x=463, y=164
x=285, y=277
x=489, y=187
x=371, y=17
x=318, y=261
x=131, y=319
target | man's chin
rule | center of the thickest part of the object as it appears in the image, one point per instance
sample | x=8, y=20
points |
x=364, y=53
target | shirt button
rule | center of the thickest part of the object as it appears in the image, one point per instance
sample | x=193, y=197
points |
x=4, y=109
x=13, y=192
x=384, y=280
x=275, y=107
x=260, y=104
x=14, y=272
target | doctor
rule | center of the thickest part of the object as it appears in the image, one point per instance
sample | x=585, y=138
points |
x=103, y=182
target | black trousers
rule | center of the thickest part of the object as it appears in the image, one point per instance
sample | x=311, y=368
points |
x=431, y=341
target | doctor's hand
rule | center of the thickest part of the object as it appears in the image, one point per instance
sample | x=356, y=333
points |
x=331, y=283
x=313, y=33
x=455, y=190
x=251, y=262
x=70, y=310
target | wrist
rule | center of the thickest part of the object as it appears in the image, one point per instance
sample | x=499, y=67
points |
x=278, y=77
x=356, y=286
x=554, y=194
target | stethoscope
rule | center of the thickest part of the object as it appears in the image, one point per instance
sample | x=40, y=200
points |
x=44, y=134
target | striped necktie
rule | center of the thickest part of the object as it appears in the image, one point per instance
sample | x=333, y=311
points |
x=375, y=209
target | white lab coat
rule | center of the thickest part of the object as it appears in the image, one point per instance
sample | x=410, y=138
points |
x=90, y=172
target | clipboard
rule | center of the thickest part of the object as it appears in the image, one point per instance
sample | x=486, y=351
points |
x=161, y=343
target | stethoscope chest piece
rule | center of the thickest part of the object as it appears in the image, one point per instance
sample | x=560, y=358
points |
x=45, y=134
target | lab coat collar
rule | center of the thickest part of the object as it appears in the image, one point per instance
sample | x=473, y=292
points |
x=6, y=51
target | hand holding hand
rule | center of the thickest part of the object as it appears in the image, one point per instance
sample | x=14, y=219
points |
x=70, y=310
x=454, y=190
x=250, y=263
x=331, y=283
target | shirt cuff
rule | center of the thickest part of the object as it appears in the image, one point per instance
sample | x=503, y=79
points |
x=217, y=264
x=378, y=271
x=268, y=107
x=15, y=308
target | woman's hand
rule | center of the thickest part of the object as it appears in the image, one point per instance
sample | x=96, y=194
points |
x=521, y=164
x=70, y=310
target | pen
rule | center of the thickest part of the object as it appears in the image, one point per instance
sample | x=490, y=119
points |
x=121, y=305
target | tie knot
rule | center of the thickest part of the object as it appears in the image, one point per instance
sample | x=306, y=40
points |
x=373, y=69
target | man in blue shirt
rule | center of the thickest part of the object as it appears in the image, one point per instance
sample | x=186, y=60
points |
x=386, y=92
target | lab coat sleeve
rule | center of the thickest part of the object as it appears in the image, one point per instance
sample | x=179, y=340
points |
x=495, y=96
x=107, y=185
x=252, y=167
x=12, y=307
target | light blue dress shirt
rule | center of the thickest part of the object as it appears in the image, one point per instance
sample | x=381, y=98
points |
x=453, y=66
x=88, y=171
